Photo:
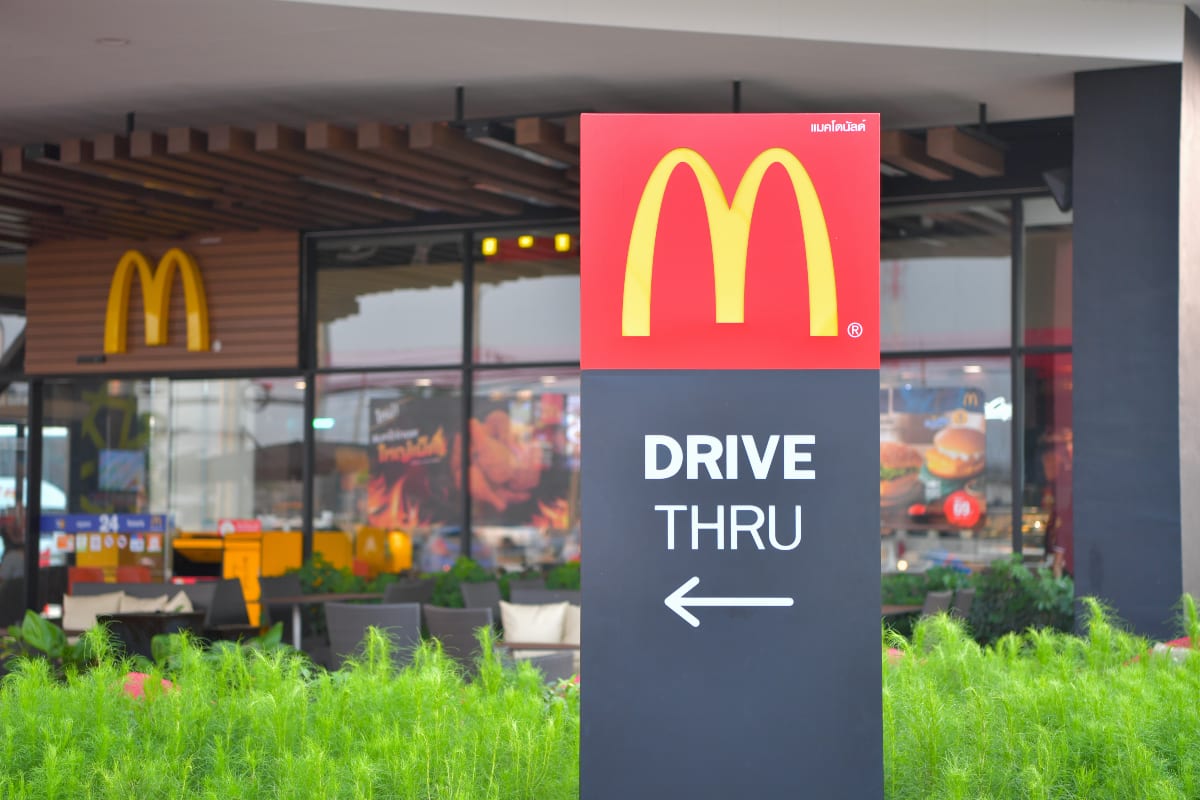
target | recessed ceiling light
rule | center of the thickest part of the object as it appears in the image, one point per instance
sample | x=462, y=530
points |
x=112, y=41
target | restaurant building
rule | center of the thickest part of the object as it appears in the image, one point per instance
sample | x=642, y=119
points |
x=314, y=268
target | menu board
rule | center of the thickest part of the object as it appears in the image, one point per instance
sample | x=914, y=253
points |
x=932, y=456
x=111, y=540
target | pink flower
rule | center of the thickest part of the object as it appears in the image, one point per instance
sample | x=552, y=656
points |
x=135, y=684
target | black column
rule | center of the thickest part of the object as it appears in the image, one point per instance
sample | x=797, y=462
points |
x=33, y=495
x=1131, y=412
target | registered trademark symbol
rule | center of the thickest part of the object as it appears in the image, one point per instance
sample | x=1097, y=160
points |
x=855, y=329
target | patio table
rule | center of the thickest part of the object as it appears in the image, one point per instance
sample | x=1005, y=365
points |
x=298, y=600
x=897, y=610
x=537, y=646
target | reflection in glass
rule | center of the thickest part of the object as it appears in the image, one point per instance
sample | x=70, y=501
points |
x=389, y=300
x=1048, y=256
x=528, y=285
x=198, y=450
x=945, y=468
x=1049, y=459
x=945, y=276
x=13, y=432
x=524, y=471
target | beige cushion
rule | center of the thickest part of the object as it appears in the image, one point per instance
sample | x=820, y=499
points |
x=80, y=612
x=571, y=625
x=130, y=603
x=533, y=624
x=180, y=602
x=571, y=631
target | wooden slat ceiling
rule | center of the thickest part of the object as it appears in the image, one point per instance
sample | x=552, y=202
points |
x=184, y=181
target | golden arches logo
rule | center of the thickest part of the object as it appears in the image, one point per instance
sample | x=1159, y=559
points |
x=729, y=226
x=156, y=299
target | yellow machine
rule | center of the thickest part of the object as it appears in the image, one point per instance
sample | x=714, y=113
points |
x=383, y=551
x=247, y=556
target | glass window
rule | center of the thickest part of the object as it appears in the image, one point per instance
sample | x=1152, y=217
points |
x=945, y=276
x=1048, y=256
x=528, y=290
x=389, y=300
x=945, y=462
x=13, y=400
x=388, y=456
x=1047, y=525
x=191, y=451
x=524, y=471
x=232, y=449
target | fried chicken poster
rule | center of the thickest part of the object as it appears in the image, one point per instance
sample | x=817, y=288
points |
x=411, y=484
x=520, y=471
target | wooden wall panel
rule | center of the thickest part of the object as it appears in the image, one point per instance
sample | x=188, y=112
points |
x=251, y=281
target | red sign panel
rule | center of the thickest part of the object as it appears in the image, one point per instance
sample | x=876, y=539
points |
x=228, y=526
x=730, y=241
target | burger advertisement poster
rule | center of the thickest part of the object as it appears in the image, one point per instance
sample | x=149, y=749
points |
x=932, y=455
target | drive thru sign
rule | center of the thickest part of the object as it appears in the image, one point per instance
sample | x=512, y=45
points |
x=730, y=360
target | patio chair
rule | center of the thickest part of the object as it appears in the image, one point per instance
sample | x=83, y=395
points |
x=554, y=666
x=524, y=584
x=963, y=599
x=279, y=586
x=348, y=623
x=418, y=590
x=483, y=595
x=12, y=602
x=224, y=604
x=455, y=629
x=936, y=602
x=529, y=597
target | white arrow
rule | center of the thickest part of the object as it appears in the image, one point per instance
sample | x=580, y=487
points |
x=678, y=601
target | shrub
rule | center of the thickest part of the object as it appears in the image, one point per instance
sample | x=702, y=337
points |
x=319, y=576
x=37, y=636
x=564, y=576
x=902, y=588
x=1009, y=598
x=943, y=579
x=446, y=592
x=909, y=588
x=1040, y=714
x=253, y=723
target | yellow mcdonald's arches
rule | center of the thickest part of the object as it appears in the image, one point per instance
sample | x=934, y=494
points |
x=729, y=226
x=156, y=299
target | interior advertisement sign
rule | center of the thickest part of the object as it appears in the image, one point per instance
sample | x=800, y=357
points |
x=730, y=354
x=932, y=455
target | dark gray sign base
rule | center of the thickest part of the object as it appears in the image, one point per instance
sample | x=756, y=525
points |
x=764, y=701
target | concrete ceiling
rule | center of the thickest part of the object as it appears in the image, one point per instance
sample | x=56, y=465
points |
x=208, y=62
